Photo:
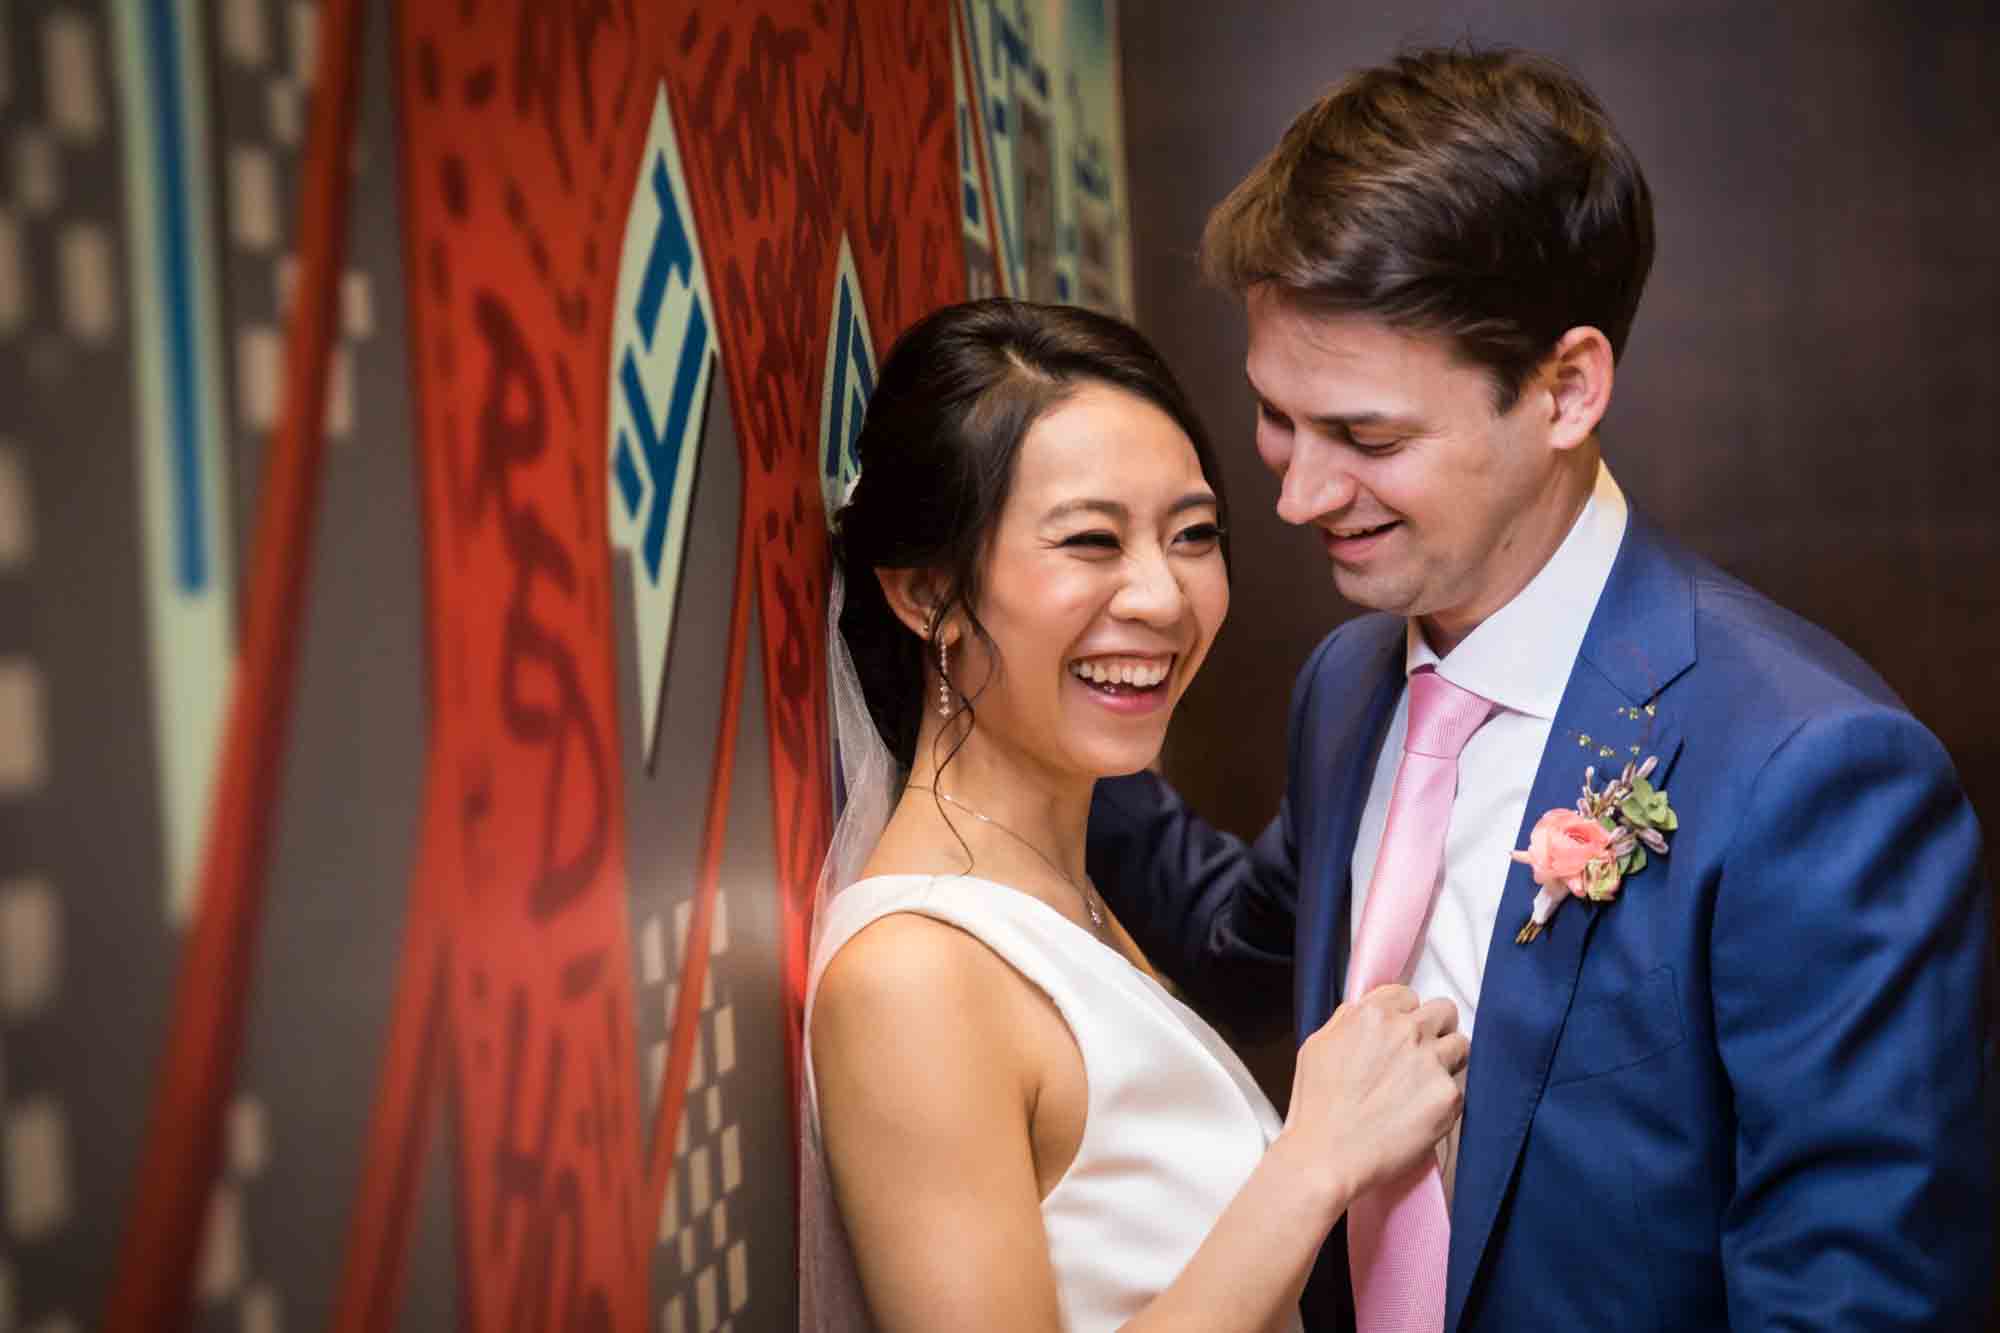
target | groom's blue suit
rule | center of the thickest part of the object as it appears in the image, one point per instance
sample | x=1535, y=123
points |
x=1749, y=1093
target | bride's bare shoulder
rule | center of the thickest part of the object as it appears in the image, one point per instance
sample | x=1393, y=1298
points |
x=906, y=960
x=912, y=986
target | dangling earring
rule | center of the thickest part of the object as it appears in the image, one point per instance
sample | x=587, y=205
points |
x=944, y=690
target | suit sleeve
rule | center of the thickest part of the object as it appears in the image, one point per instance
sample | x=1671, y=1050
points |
x=1850, y=955
x=1217, y=914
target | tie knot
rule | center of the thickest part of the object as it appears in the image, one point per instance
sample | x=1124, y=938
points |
x=1442, y=715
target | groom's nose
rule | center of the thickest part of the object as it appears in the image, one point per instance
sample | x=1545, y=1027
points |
x=1316, y=480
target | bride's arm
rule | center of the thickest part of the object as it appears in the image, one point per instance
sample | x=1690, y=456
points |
x=927, y=1084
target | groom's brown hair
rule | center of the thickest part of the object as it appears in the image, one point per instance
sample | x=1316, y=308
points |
x=1479, y=194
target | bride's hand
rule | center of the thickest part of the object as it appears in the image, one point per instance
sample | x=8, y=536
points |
x=1375, y=1088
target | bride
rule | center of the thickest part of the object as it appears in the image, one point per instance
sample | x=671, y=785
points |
x=1010, y=1124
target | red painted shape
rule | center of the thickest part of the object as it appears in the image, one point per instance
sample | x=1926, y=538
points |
x=798, y=122
x=183, y=1145
x=523, y=127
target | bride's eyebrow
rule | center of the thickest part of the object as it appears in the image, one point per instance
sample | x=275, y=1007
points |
x=1111, y=509
x=1118, y=512
x=1192, y=500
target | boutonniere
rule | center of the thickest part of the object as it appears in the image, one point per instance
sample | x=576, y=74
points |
x=1590, y=851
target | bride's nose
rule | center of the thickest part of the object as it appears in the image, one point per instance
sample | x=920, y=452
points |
x=1150, y=594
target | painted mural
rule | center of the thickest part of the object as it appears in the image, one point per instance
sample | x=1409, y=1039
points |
x=417, y=426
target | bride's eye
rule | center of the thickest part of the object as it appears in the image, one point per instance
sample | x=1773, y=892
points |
x=1200, y=537
x=1096, y=540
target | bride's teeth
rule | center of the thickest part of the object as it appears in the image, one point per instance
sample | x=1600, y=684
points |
x=1138, y=675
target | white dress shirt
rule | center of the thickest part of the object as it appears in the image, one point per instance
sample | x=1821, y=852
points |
x=1519, y=657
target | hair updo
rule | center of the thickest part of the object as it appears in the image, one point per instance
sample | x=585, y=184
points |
x=957, y=395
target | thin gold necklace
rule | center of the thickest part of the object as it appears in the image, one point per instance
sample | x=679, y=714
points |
x=1083, y=890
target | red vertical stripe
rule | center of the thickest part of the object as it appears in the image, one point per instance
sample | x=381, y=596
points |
x=183, y=1143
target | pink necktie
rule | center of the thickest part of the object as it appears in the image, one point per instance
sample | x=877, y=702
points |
x=1399, y=1234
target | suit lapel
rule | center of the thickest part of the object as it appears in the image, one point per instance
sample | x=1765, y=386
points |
x=1357, y=713
x=1641, y=638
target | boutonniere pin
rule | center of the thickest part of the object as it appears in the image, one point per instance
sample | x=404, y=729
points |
x=1590, y=851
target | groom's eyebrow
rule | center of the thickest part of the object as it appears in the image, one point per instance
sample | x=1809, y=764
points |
x=1329, y=421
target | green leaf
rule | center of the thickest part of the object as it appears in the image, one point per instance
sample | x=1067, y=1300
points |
x=1632, y=862
x=1667, y=821
x=1636, y=813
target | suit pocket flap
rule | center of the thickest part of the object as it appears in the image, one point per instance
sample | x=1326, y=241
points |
x=1605, y=1035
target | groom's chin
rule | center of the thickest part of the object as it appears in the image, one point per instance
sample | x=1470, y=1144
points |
x=1370, y=592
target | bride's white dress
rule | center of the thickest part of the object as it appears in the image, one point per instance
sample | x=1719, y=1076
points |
x=1174, y=1125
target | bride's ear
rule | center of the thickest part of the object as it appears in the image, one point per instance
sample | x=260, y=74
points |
x=914, y=595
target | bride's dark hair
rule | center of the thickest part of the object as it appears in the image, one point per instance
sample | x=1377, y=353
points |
x=957, y=395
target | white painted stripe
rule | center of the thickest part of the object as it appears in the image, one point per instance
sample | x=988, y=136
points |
x=304, y=19
x=37, y=178
x=244, y=34
x=670, y=1221
x=249, y=1138
x=69, y=73
x=260, y=369
x=705, y=1300
x=287, y=113
x=24, y=749
x=223, y=1259
x=725, y=1039
x=287, y=280
x=700, y=1184
x=31, y=947
x=17, y=510
x=253, y=199
x=88, y=282
x=260, y=1309
x=190, y=637
x=652, y=951
x=357, y=306
x=732, y=1158
x=38, y=1174
x=340, y=395
x=739, y=1277
x=13, y=277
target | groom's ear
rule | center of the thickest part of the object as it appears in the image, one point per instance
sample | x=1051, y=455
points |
x=1579, y=371
x=913, y=594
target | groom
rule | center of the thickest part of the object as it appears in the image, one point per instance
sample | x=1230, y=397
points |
x=1740, y=1085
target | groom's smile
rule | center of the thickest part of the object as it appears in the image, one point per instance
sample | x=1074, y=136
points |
x=1350, y=544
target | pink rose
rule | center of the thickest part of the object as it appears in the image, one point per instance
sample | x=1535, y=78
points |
x=1561, y=848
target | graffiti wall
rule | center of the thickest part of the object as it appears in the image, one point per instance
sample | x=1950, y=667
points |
x=416, y=426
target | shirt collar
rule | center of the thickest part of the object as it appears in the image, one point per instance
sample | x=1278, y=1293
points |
x=1520, y=656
